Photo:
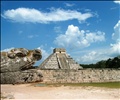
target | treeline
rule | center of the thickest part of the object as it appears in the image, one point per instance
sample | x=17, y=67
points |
x=110, y=63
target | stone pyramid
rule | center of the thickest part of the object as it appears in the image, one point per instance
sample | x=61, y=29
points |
x=59, y=59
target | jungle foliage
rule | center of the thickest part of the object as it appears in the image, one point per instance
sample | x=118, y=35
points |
x=110, y=63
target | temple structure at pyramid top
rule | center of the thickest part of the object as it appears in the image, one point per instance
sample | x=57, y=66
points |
x=59, y=59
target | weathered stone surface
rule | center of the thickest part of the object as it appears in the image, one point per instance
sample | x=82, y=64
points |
x=59, y=60
x=17, y=66
x=26, y=76
x=19, y=59
x=81, y=76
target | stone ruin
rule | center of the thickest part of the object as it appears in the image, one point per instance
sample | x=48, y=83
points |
x=59, y=67
x=17, y=66
x=19, y=59
x=59, y=59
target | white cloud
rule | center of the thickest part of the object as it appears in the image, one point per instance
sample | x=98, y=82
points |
x=104, y=53
x=51, y=48
x=32, y=36
x=113, y=8
x=20, y=32
x=69, y=4
x=87, y=10
x=36, y=16
x=45, y=54
x=8, y=49
x=116, y=34
x=118, y=2
x=100, y=54
x=57, y=29
x=93, y=57
x=115, y=49
x=75, y=38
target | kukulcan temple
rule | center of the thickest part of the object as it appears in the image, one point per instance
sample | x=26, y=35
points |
x=59, y=59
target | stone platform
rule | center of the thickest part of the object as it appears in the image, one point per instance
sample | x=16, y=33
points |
x=59, y=59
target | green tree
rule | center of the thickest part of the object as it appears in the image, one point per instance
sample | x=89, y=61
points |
x=116, y=62
x=101, y=64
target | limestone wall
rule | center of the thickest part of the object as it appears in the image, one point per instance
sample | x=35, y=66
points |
x=26, y=76
x=81, y=76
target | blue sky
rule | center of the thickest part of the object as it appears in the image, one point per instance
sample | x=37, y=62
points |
x=88, y=30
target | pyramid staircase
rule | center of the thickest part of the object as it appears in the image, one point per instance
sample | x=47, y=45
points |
x=59, y=59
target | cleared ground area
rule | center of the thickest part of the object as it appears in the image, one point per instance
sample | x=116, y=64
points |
x=58, y=92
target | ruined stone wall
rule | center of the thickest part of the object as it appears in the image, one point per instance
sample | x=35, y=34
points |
x=26, y=76
x=81, y=76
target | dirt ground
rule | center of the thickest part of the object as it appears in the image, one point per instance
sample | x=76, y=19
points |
x=28, y=91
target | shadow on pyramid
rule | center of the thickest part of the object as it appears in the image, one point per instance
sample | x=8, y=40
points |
x=59, y=59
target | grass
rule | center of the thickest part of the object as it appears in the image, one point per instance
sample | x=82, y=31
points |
x=105, y=84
